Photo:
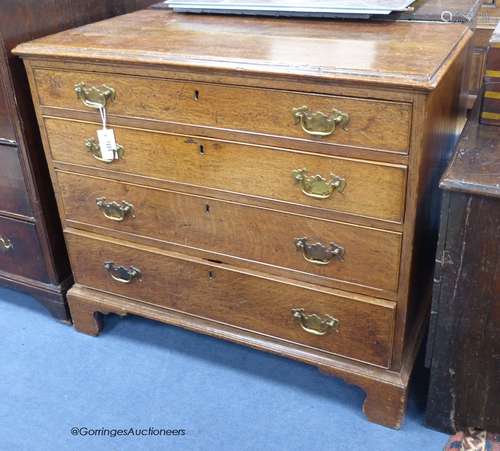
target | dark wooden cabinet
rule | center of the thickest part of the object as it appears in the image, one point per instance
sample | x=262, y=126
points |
x=32, y=251
x=14, y=197
x=464, y=341
x=7, y=134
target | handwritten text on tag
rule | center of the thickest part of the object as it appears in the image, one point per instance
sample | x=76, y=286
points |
x=107, y=143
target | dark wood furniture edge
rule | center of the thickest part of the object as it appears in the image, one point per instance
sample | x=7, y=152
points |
x=455, y=350
x=436, y=289
x=17, y=216
x=461, y=174
x=48, y=226
x=52, y=297
x=386, y=390
x=452, y=184
x=469, y=187
x=435, y=308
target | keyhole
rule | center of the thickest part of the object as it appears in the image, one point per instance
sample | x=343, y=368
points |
x=211, y=275
x=196, y=95
x=207, y=208
x=202, y=149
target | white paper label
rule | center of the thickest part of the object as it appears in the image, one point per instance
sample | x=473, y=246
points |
x=107, y=143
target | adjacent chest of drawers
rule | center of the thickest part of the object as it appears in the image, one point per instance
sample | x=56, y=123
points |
x=271, y=182
x=33, y=257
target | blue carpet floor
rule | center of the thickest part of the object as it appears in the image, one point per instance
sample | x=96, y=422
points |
x=141, y=374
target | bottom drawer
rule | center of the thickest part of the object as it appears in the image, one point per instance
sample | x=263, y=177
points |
x=336, y=322
x=20, y=250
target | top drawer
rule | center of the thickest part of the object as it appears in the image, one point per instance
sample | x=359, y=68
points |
x=333, y=120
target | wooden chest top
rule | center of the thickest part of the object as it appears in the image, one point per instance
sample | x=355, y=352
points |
x=413, y=55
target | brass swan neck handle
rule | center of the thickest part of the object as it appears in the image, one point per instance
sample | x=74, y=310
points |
x=315, y=324
x=96, y=97
x=317, y=186
x=6, y=244
x=122, y=274
x=318, y=253
x=319, y=124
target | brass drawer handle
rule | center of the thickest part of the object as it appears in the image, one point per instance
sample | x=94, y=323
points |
x=93, y=147
x=6, y=245
x=315, y=324
x=318, y=253
x=317, y=186
x=96, y=97
x=122, y=274
x=320, y=124
x=115, y=211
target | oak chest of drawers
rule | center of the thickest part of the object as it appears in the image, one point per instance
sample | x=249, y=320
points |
x=271, y=182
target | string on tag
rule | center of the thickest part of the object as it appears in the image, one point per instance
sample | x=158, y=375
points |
x=102, y=112
x=106, y=137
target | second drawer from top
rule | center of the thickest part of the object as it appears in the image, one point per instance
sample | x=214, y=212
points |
x=356, y=187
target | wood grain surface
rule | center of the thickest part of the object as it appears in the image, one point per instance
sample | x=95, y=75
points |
x=372, y=256
x=475, y=167
x=373, y=124
x=251, y=303
x=465, y=339
x=377, y=52
x=372, y=190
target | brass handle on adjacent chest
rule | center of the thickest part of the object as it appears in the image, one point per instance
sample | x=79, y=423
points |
x=5, y=244
x=93, y=147
x=319, y=124
x=315, y=324
x=318, y=253
x=115, y=211
x=122, y=274
x=317, y=186
x=96, y=97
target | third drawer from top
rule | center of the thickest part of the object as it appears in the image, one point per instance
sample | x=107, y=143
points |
x=330, y=253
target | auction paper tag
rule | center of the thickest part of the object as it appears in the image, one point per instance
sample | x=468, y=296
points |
x=107, y=143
